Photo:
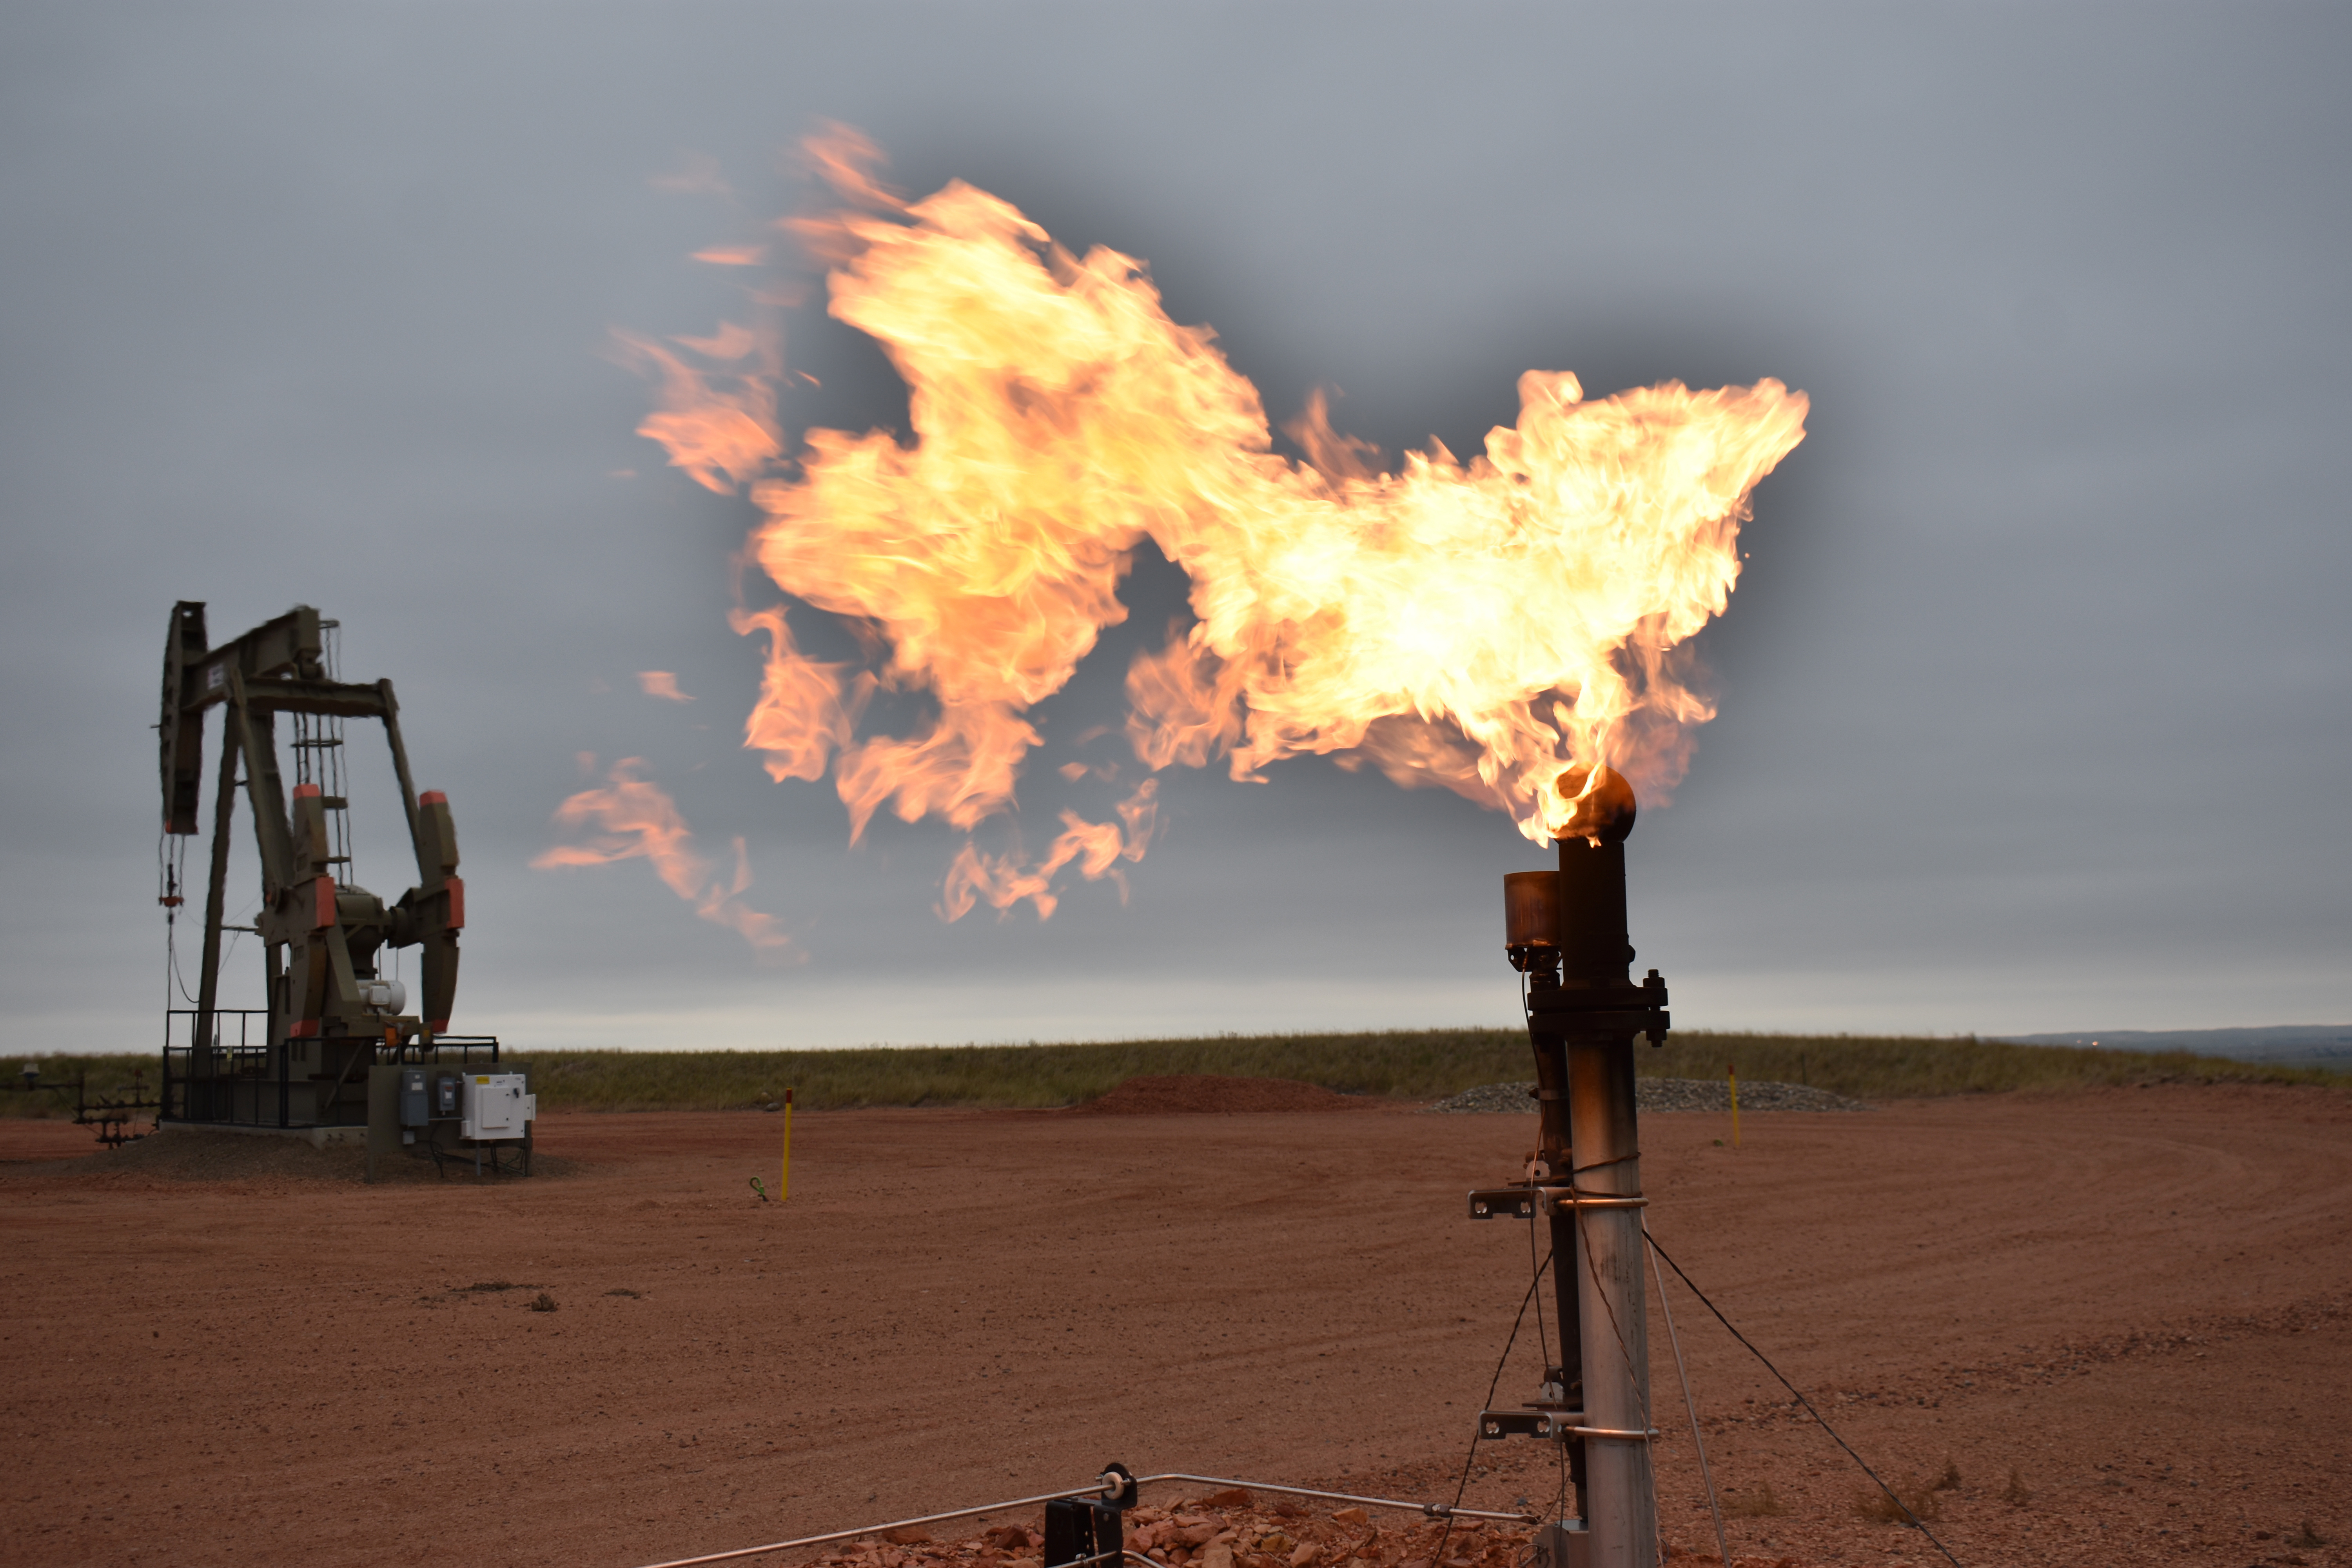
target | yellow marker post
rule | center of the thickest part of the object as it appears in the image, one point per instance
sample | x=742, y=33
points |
x=1731, y=1071
x=785, y=1179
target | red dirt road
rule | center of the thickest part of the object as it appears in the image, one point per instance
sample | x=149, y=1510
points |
x=2135, y=1302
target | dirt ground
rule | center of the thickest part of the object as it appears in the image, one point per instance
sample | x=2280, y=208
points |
x=2119, y=1320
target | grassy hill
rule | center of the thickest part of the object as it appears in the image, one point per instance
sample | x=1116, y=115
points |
x=1403, y=1064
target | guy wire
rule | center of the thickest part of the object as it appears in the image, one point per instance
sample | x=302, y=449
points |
x=1543, y=1342
x=1808, y=1404
x=1699, y=1438
x=1437, y=1553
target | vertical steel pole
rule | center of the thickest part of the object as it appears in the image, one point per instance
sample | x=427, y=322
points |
x=1622, y=1514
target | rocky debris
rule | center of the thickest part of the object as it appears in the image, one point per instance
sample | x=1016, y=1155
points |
x=1225, y=1530
x=1193, y=1093
x=1656, y=1094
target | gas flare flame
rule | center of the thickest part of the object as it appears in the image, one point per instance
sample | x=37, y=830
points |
x=1511, y=627
x=635, y=818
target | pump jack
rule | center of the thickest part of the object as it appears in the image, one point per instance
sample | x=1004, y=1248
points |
x=332, y=1014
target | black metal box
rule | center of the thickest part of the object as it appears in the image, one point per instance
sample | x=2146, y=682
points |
x=1078, y=1532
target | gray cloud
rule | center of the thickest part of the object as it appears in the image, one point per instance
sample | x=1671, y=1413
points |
x=2035, y=693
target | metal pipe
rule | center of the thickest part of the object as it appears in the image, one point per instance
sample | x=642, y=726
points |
x=1426, y=1510
x=1570, y=1198
x=1531, y=939
x=1094, y=1488
x=1595, y=1015
x=1622, y=1504
x=1102, y=1487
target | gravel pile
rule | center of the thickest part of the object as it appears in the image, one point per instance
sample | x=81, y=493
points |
x=1185, y=1094
x=1667, y=1094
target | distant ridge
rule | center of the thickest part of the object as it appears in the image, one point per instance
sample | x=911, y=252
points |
x=2323, y=1045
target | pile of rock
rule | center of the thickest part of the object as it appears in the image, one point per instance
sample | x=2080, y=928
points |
x=1654, y=1094
x=1230, y=1528
x=1181, y=1094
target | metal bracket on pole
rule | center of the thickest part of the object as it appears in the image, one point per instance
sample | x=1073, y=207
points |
x=1556, y=1425
x=1503, y=1202
x=1522, y=1202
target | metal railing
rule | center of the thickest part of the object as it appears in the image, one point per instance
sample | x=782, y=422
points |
x=1111, y=1484
x=245, y=1083
x=415, y=1051
x=218, y=1079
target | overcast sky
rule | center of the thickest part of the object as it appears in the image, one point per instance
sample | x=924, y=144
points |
x=2036, y=694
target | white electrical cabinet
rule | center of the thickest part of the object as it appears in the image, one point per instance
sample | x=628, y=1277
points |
x=497, y=1107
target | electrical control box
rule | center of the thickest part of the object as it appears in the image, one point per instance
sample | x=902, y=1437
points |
x=415, y=1105
x=497, y=1107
